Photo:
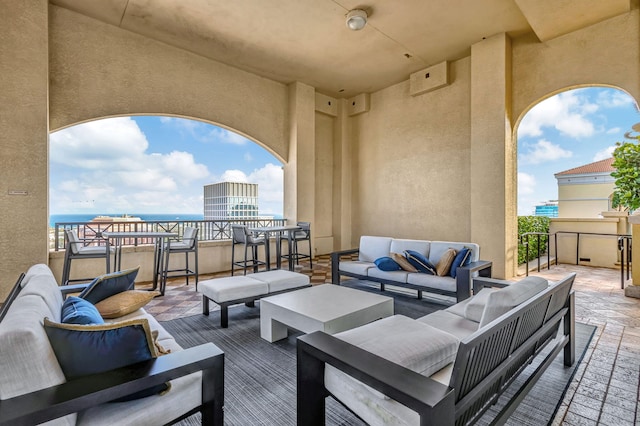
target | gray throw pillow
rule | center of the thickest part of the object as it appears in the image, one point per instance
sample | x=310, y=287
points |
x=502, y=301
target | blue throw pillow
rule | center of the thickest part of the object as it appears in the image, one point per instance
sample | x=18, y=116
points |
x=90, y=349
x=461, y=259
x=420, y=262
x=80, y=311
x=109, y=284
x=386, y=263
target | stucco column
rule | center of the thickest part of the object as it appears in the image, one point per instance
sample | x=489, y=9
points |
x=299, y=170
x=493, y=155
x=634, y=289
x=24, y=123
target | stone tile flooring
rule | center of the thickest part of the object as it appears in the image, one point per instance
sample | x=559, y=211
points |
x=605, y=389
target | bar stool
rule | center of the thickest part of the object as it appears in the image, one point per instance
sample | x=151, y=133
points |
x=76, y=249
x=188, y=244
x=302, y=235
x=241, y=235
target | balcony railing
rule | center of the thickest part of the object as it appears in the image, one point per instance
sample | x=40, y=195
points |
x=623, y=243
x=210, y=230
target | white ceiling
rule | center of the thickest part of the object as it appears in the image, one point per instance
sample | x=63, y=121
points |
x=308, y=41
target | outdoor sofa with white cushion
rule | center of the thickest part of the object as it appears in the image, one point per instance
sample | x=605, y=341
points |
x=34, y=389
x=445, y=368
x=457, y=284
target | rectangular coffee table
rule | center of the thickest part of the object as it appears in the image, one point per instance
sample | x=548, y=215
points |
x=328, y=307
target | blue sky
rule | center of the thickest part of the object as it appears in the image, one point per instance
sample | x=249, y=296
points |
x=150, y=164
x=568, y=130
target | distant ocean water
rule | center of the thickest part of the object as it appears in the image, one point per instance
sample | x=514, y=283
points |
x=57, y=218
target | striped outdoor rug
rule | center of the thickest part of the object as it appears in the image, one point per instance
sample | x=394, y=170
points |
x=260, y=384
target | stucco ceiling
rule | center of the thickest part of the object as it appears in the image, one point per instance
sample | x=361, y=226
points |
x=308, y=41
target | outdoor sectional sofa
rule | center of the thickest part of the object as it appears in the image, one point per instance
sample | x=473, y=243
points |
x=34, y=389
x=374, y=247
x=445, y=368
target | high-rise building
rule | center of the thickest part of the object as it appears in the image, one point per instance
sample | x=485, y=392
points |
x=549, y=209
x=230, y=200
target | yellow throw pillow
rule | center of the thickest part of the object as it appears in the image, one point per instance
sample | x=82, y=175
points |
x=124, y=303
x=403, y=262
x=444, y=264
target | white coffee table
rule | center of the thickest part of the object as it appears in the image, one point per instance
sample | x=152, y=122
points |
x=328, y=307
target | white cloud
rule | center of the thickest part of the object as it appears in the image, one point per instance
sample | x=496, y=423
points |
x=566, y=112
x=614, y=130
x=614, y=99
x=270, y=180
x=98, y=144
x=544, y=151
x=113, y=173
x=234, y=176
x=604, y=154
x=526, y=183
x=225, y=136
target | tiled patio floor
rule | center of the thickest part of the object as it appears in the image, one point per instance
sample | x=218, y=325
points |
x=605, y=389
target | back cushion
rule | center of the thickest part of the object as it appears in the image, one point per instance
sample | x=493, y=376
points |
x=27, y=361
x=502, y=301
x=421, y=246
x=439, y=247
x=372, y=248
x=44, y=286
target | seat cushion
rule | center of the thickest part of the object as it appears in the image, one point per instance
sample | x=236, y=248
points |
x=502, y=301
x=357, y=267
x=405, y=341
x=451, y=323
x=419, y=347
x=281, y=279
x=397, y=276
x=432, y=281
x=232, y=288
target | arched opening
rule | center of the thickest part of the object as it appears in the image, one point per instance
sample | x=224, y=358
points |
x=565, y=144
x=154, y=165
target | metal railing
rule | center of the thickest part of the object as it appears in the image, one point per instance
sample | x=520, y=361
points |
x=624, y=247
x=210, y=230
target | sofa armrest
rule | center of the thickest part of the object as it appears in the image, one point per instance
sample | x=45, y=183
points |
x=89, y=391
x=335, y=263
x=464, y=276
x=481, y=282
x=430, y=399
x=72, y=288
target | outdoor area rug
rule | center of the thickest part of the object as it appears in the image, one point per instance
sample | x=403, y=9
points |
x=260, y=377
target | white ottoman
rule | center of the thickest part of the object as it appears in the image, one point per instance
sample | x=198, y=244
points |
x=247, y=289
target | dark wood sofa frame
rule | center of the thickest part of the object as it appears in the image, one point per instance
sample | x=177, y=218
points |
x=487, y=362
x=464, y=276
x=86, y=392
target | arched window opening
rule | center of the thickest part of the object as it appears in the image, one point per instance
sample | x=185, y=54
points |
x=155, y=167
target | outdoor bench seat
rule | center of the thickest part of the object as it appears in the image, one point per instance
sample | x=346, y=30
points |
x=34, y=390
x=445, y=368
x=374, y=247
x=247, y=289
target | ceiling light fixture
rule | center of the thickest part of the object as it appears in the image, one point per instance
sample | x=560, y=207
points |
x=356, y=19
